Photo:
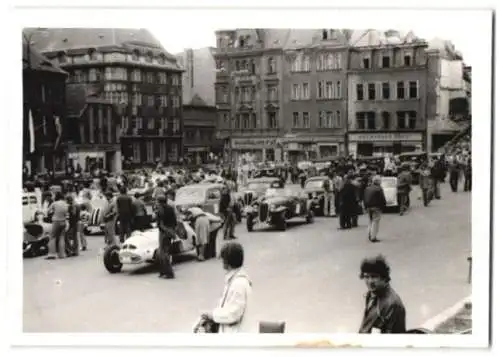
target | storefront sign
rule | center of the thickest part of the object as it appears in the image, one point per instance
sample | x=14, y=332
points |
x=371, y=137
x=197, y=149
x=253, y=143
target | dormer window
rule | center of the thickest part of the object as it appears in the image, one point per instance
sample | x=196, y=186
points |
x=135, y=55
x=149, y=57
x=161, y=58
x=241, y=41
x=325, y=34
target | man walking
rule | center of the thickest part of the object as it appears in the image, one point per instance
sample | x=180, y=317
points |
x=436, y=174
x=384, y=310
x=374, y=201
x=140, y=213
x=404, y=188
x=167, y=222
x=454, y=174
x=59, y=212
x=425, y=183
x=468, y=175
x=109, y=220
x=125, y=210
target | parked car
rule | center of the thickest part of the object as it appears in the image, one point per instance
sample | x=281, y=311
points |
x=278, y=206
x=390, y=186
x=36, y=237
x=142, y=247
x=314, y=188
x=255, y=189
x=204, y=195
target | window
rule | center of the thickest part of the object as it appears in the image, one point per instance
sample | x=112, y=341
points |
x=92, y=55
x=401, y=90
x=386, y=120
x=237, y=121
x=413, y=89
x=175, y=102
x=412, y=119
x=271, y=120
x=338, y=120
x=386, y=90
x=135, y=55
x=151, y=123
x=295, y=92
x=271, y=65
x=243, y=65
x=237, y=95
x=321, y=90
x=176, y=126
x=301, y=64
x=175, y=80
x=386, y=62
x=366, y=62
x=163, y=101
x=371, y=120
x=306, y=64
x=401, y=120
x=237, y=65
x=136, y=152
x=252, y=67
x=253, y=123
x=371, y=91
x=296, y=122
x=338, y=94
x=241, y=41
x=272, y=92
x=93, y=75
x=173, y=154
x=360, y=120
x=305, y=120
x=320, y=62
x=329, y=61
x=329, y=119
x=136, y=75
x=246, y=121
x=305, y=91
x=338, y=61
x=407, y=60
x=329, y=90
x=360, y=91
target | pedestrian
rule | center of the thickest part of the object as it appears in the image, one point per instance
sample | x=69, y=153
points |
x=384, y=310
x=425, y=181
x=58, y=210
x=347, y=202
x=140, y=219
x=72, y=239
x=454, y=174
x=167, y=222
x=337, y=186
x=404, y=188
x=374, y=202
x=468, y=175
x=125, y=211
x=84, y=222
x=201, y=225
x=109, y=219
x=225, y=210
x=232, y=313
x=436, y=174
x=328, y=209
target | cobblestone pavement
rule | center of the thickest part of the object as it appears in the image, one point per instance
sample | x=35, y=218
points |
x=306, y=276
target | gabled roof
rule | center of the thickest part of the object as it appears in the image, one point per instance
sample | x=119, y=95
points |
x=37, y=61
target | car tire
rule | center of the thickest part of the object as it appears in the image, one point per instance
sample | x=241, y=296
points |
x=310, y=217
x=249, y=224
x=111, y=259
x=86, y=231
x=281, y=222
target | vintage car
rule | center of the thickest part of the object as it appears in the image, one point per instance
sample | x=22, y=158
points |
x=96, y=206
x=31, y=205
x=142, y=247
x=314, y=188
x=278, y=206
x=204, y=195
x=36, y=237
x=390, y=186
x=255, y=189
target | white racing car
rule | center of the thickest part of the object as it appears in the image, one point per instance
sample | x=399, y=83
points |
x=142, y=247
x=390, y=186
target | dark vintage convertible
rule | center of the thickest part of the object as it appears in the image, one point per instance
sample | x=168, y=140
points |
x=314, y=188
x=278, y=206
x=255, y=189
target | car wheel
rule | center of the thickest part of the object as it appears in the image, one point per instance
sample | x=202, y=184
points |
x=281, y=222
x=86, y=231
x=249, y=223
x=112, y=260
x=310, y=217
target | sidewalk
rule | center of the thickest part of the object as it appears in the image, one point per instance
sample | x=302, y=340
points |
x=455, y=320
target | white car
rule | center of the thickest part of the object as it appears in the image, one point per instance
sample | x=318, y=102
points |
x=142, y=247
x=390, y=187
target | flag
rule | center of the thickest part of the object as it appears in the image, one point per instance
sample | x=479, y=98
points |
x=57, y=123
x=32, y=132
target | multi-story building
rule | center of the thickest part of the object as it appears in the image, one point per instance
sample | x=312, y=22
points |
x=44, y=116
x=130, y=68
x=387, y=101
x=94, y=129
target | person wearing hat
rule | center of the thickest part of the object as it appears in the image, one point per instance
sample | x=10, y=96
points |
x=404, y=188
x=167, y=222
x=384, y=309
x=374, y=202
x=348, y=206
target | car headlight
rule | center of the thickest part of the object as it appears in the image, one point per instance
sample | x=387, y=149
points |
x=272, y=207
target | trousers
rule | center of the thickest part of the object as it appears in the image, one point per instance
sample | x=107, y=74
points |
x=374, y=214
x=164, y=253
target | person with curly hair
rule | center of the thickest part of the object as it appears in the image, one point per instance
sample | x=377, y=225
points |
x=384, y=309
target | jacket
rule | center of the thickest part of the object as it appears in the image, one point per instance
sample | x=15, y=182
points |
x=374, y=197
x=404, y=182
x=387, y=313
x=124, y=206
x=425, y=179
x=139, y=207
x=235, y=316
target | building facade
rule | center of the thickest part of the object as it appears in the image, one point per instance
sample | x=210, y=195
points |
x=94, y=129
x=44, y=102
x=200, y=143
x=133, y=71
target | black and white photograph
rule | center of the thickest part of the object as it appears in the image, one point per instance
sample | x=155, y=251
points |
x=191, y=173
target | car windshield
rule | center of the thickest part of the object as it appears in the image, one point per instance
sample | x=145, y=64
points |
x=188, y=195
x=258, y=186
x=389, y=182
x=315, y=184
x=274, y=192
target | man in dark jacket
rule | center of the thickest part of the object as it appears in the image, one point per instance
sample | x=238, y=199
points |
x=140, y=213
x=454, y=174
x=125, y=210
x=374, y=201
x=384, y=309
x=167, y=222
x=468, y=175
x=436, y=174
x=347, y=202
x=404, y=188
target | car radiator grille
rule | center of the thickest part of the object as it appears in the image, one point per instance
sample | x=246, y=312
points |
x=94, y=219
x=247, y=198
x=263, y=211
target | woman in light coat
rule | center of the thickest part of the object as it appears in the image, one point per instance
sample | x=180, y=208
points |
x=232, y=313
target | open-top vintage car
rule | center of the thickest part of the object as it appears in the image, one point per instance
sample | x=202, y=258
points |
x=255, y=189
x=315, y=190
x=142, y=247
x=278, y=206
